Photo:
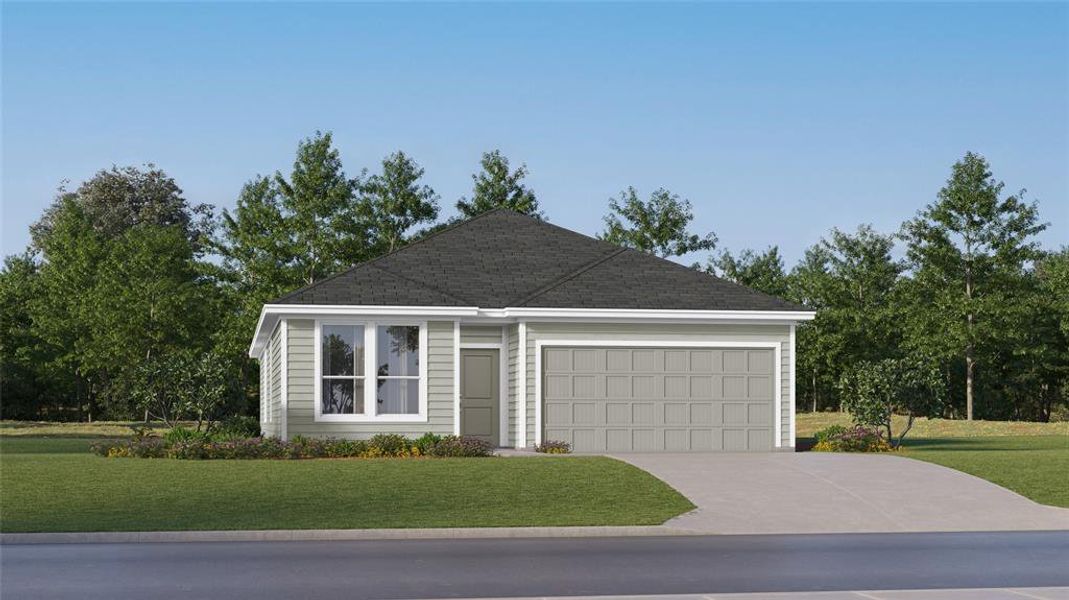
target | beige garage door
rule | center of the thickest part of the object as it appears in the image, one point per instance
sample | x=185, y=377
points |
x=659, y=399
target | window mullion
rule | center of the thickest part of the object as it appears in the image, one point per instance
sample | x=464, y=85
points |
x=371, y=381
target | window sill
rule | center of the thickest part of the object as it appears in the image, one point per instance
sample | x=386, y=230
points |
x=380, y=419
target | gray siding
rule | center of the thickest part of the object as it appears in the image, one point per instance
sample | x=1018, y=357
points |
x=480, y=334
x=302, y=375
x=653, y=332
x=512, y=351
x=272, y=412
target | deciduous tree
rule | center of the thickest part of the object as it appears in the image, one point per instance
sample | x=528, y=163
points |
x=659, y=226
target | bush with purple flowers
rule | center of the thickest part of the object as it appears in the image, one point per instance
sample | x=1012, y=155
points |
x=851, y=439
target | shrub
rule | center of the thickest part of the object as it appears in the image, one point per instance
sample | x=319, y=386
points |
x=239, y=427
x=874, y=391
x=854, y=439
x=828, y=432
x=426, y=443
x=463, y=446
x=554, y=447
x=179, y=434
x=191, y=445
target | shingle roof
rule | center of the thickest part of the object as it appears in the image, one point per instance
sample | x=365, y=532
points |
x=502, y=258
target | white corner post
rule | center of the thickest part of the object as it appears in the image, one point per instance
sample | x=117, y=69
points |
x=779, y=396
x=285, y=409
x=521, y=386
x=456, y=377
x=794, y=409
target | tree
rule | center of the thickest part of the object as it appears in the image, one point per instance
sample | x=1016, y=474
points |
x=149, y=303
x=966, y=252
x=873, y=392
x=659, y=226
x=851, y=280
x=320, y=212
x=28, y=388
x=115, y=200
x=498, y=187
x=763, y=272
x=393, y=202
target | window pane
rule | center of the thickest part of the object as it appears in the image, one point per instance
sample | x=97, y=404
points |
x=398, y=397
x=343, y=350
x=398, y=352
x=343, y=397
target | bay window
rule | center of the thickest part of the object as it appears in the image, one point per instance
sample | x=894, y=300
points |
x=370, y=371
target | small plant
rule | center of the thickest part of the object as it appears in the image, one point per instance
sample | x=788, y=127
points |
x=853, y=439
x=179, y=434
x=389, y=445
x=554, y=447
x=829, y=432
x=453, y=446
x=239, y=426
x=426, y=443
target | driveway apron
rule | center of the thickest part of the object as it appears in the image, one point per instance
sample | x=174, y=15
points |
x=837, y=493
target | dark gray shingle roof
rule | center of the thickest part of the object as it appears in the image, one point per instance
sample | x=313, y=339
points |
x=502, y=258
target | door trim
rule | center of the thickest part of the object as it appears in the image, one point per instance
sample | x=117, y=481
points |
x=502, y=385
x=777, y=441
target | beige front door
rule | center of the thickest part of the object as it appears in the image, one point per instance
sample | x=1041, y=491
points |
x=480, y=396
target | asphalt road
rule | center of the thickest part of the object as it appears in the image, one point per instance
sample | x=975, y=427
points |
x=534, y=567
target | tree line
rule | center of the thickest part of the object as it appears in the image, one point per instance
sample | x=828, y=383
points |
x=131, y=301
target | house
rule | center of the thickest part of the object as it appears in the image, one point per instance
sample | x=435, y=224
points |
x=516, y=330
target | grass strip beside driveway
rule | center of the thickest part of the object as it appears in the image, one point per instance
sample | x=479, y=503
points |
x=55, y=485
x=1036, y=467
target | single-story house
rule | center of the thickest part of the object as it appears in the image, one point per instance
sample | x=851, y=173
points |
x=516, y=330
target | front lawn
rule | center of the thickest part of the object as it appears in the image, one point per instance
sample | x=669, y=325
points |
x=809, y=423
x=51, y=484
x=1031, y=459
x=1034, y=466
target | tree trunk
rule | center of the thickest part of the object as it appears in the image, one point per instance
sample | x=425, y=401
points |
x=814, y=391
x=969, y=362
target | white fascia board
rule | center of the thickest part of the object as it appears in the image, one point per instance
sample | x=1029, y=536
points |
x=474, y=314
x=648, y=314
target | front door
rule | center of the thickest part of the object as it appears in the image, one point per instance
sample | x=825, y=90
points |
x=480, y=394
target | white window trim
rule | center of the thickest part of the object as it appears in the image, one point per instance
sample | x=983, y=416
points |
x=370, y=372
x=650, y=343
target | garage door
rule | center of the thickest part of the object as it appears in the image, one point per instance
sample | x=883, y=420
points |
x=659, y=399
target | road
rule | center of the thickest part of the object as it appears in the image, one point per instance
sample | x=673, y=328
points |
x=534, y=567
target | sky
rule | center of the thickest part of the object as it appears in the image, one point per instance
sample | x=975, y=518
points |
x=777, y=121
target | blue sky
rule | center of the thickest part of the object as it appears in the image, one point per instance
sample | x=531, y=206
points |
x=778, y=121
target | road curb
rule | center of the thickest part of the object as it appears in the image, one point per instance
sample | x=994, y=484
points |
x=307, y=535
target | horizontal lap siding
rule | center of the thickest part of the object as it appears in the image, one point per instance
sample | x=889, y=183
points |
x=302, y=387
x=275, y=402
x=513, y=368
x=654, y=332
x=480, y=334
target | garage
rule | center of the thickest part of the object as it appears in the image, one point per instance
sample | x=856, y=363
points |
x=659, y=398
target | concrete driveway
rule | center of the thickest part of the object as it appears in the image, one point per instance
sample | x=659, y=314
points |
x=814, y=492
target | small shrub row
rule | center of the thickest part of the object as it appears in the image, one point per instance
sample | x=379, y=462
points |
x=850, y=439
x=554, y=447
x=203, y=447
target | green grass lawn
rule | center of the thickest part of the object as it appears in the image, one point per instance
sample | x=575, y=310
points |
x=54, y=484
x=1035, y=466
x=1031, y=459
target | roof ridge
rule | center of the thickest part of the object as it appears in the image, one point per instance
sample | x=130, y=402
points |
x=421, y=284
x=567, y=277
x=371, y=261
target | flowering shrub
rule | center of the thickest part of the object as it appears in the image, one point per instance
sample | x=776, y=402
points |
x=300, y=447
x=463, y=446
x=554, y=447
x=850, y=439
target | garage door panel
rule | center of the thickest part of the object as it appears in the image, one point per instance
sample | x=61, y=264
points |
x=659, y=399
